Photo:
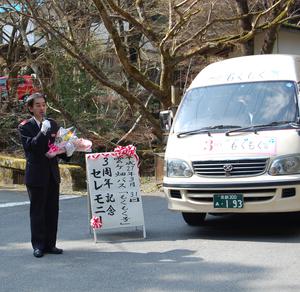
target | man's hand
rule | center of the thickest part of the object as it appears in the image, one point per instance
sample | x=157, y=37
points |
x=70, y=148
x=45, y=126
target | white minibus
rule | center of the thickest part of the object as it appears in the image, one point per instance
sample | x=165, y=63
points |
x=234, y=144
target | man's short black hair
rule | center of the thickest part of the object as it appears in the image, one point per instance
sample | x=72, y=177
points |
x=32, y=97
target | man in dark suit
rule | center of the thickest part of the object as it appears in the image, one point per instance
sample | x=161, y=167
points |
x=42, y=176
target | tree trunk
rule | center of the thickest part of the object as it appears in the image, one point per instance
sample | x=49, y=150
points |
x=246, y=26
x=271, y=34
x=269, y=40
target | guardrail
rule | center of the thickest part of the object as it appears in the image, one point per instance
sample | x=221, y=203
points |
x=12, y=172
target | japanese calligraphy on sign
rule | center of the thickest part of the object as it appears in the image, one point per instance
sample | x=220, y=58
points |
x=114, y=190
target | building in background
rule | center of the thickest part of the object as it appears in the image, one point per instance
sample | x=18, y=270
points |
x=287, y=40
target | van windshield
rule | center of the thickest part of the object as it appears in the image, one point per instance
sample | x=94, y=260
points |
x=237, y=105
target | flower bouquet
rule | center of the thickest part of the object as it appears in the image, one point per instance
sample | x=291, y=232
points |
x=66, y=141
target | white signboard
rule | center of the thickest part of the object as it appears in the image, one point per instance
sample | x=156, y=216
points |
x=114, y=190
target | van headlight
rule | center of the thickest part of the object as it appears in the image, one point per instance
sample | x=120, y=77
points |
x=285, y=165
x=177, y=168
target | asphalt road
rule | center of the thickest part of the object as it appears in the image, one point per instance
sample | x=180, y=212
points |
x=229, y=253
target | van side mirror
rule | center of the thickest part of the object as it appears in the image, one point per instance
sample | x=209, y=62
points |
x=166, y=120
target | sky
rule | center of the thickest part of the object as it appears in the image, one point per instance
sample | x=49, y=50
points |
x=5, y=7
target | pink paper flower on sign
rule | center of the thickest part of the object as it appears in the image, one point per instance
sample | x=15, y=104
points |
x=96, y=222
x=126, y=151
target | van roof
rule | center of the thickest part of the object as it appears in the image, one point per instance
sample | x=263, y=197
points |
x=249, y=69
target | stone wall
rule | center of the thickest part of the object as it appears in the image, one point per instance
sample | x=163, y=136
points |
x=12, y=170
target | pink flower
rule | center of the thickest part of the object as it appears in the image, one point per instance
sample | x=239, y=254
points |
x=96, y=222
x=54, y=150
x=82, y=145
x=126, y=151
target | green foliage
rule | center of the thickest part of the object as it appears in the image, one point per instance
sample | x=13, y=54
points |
x=9, y=139
x=83, y=98
x=73, y=86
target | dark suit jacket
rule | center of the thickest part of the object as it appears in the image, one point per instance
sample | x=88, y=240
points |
x=35, y=144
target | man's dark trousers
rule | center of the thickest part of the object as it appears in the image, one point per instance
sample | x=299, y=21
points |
x=44, y=214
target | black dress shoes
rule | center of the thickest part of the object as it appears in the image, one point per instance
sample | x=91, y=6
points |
x=54, y=250
x=38, y=253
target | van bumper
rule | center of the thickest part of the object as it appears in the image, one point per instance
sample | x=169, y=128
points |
x=259, y=197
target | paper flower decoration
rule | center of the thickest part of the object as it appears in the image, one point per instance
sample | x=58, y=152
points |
x=126, y=151
x=96, y=222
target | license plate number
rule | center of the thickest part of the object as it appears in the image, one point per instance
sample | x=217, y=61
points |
x=227, y=201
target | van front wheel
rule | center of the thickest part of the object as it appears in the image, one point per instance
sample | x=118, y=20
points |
x=194, y=219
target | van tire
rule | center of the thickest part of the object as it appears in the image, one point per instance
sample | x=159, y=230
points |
x=194, y=219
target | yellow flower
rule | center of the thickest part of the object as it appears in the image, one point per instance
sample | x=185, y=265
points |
x=68, y=136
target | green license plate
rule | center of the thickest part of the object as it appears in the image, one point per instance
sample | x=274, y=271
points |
x=234, y=201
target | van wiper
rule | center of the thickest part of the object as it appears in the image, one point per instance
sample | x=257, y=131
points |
x=205, y=130
x=262, y=126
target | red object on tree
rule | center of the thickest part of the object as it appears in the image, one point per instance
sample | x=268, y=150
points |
x=25, y=86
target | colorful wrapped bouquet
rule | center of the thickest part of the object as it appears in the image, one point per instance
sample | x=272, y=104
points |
x=66, y=141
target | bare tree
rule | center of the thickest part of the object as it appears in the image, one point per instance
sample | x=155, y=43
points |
x=270, y=35
x=149, y=38
x=16, y=50
x=247, y=48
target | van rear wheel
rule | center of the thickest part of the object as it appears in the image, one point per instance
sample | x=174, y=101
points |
x=194, y=219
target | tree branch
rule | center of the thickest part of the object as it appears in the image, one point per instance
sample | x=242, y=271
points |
x=144, y=27
x=122, y=54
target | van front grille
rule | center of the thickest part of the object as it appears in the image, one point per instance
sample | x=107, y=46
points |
x=228, y=168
